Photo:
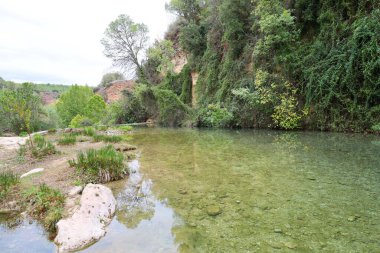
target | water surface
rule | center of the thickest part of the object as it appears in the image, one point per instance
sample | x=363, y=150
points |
x=247, y=191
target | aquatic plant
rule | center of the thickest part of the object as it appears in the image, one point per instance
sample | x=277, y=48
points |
x=100, y=166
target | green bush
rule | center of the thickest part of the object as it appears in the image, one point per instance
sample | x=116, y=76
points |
x=48, y=205
x=107, y=138
x=40, y=147
x=214, y=116
x=7, y=180
x=68, y=140
x=100, y=166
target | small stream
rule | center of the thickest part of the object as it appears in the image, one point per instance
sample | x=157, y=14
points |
x=194, y=190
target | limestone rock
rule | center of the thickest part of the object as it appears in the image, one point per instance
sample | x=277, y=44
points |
x=88, y=223
x=34, y=171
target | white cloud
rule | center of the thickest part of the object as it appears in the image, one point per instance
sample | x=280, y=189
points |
x=59, y=41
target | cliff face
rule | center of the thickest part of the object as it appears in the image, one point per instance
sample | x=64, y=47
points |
x=114, y=91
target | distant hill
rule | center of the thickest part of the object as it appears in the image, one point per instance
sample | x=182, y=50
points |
x=49, y=93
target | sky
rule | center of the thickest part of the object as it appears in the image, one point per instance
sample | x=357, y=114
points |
x=47, y=41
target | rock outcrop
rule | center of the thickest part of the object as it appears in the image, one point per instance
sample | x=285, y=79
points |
x=88, y=223
x=114, y=91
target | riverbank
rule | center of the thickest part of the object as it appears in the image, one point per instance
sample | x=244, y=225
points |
x=55, y=177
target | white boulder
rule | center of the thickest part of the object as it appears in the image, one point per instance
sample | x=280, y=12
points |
x=88, y=223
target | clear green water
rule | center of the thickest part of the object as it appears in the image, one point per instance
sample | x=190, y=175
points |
x=247, y=191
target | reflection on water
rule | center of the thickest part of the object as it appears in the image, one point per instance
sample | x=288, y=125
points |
x=142, y=223
x=243, y=191
x=17, y=235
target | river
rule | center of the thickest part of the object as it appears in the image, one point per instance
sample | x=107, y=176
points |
x=199, y=190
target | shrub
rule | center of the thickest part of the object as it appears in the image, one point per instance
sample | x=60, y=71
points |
x=7, y=180
x=107, y=138
x=172, y=111
x=214, y=116
x=41, y=147
x=68, y=140
x=48, y=205
x=100, y=166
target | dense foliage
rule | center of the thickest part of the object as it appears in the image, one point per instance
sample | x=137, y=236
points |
x=20, y=109
x=79, y=106
x=282, y=64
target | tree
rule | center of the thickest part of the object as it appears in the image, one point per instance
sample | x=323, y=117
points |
x=96, y=108
x=163, y=52
x=73, y=102
x=21, y=108
x=124, y=41
x=110, y=77
x=187, y=9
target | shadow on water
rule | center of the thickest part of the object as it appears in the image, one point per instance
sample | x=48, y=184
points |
x=245, y=191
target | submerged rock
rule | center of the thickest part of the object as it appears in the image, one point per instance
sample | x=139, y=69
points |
x=34, y=171
x=88, y=223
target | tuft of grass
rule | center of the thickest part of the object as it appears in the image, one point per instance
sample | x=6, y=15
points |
x=21, y=152
x=47, y=205
x=7, y=180
x=42, y=147
x=107, y=138
x=125, y=128
x=23, y=134
x=88, y=131
x=100, y=166
x=68, y=140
